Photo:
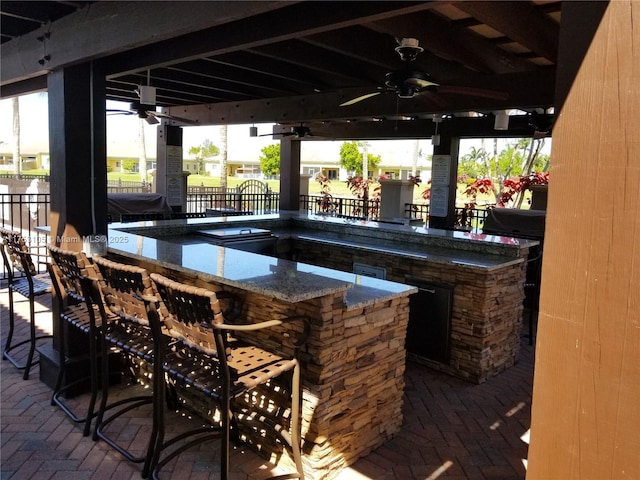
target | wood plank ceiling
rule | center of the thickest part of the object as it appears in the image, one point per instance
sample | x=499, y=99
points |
x=290, y=62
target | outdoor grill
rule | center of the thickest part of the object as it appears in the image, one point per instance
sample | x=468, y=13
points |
x=254, y=240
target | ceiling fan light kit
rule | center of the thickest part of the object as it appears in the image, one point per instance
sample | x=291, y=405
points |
x=409, y=49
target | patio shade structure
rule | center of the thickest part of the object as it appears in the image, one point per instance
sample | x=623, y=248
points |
x=295, y=63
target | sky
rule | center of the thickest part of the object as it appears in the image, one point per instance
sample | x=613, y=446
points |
x=122, y=136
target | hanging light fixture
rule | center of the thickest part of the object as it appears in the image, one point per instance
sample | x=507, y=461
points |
x=435, y=138
x=502, y=120
x=253, y=131
x=147, y=93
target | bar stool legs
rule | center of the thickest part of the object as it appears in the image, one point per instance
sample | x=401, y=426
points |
x=29, y=291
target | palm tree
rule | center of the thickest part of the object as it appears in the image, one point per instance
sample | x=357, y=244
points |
x=16, y=135
x=223, y=158
x=142, y=165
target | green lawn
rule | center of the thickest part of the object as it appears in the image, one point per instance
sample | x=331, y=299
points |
x=337, y=188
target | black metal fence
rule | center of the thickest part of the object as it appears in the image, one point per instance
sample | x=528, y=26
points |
x=24, y=213
x=233, y=203
x=21, y=176
x=470, y=219
x=343, y=207
x=125, y=186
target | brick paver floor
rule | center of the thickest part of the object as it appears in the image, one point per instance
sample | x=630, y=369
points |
x=451, y=430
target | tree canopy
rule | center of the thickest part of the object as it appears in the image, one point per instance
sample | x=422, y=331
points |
x=519, y=158
x=203, y=152
x=351, y=158
x=270, y=159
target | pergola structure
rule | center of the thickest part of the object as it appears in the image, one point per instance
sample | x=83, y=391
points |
x=570, y=65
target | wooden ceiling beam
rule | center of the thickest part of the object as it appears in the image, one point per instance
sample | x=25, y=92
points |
x=294, y=21
x=104, y=28
x=521, y=21
x=251, y=64
x=451, y=42
x=526, y=91
x=344, y=70
x=462, y=127
x=378, y=48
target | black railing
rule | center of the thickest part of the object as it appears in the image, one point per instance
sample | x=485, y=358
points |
x=24, y=176
x=125, y=186
x=467, y=218
x=344, y=207
x=24, y=212
x=234, y=203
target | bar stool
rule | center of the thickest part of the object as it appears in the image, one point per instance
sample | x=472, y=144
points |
x=24, y=280
x=195, y=320
x=66, y=269
x=119, y=295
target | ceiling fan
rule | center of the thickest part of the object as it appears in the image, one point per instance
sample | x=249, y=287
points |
x=146, y=108
x=409, y=82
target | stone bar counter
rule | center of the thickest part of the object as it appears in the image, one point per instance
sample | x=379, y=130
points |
x=354, y=360
x=485, y=273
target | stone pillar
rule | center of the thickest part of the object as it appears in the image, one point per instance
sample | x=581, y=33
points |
x=304, y=184
x=394, y=194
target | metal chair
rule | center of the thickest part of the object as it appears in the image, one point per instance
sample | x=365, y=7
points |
x=196, y=322
x=66, y=269
x=24, y=280
x=123, y=294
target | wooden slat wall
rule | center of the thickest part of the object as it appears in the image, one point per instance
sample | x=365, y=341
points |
x=586, y=401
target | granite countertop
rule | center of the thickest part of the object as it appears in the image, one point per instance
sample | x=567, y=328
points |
x=320, y=224
x=473, y=260
x=281, y=279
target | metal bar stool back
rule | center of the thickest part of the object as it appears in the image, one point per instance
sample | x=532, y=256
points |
x=67, y=268
x=125, y=296
x=24, y=280
x=204, y=358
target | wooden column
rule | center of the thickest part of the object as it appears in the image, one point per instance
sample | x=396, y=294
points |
x=586, y=395
x=77, y=145
x=289, y=174
x=78, y=182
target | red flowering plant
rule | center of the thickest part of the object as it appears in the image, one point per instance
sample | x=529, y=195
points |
x=361, y=188
x=325, y=203
x=515, y=186
x=475, y=186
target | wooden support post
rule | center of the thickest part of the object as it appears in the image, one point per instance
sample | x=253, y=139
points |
x=289, y=174
x=77, y=141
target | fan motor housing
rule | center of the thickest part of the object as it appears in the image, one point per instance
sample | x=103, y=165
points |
x=407, y=83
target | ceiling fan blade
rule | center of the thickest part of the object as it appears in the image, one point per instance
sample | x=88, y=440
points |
x=188, y=121
x=475, y=92
x=359, y=99
x=120, y=112
x=433, y=97
x=283, y=134
x=151, y=119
